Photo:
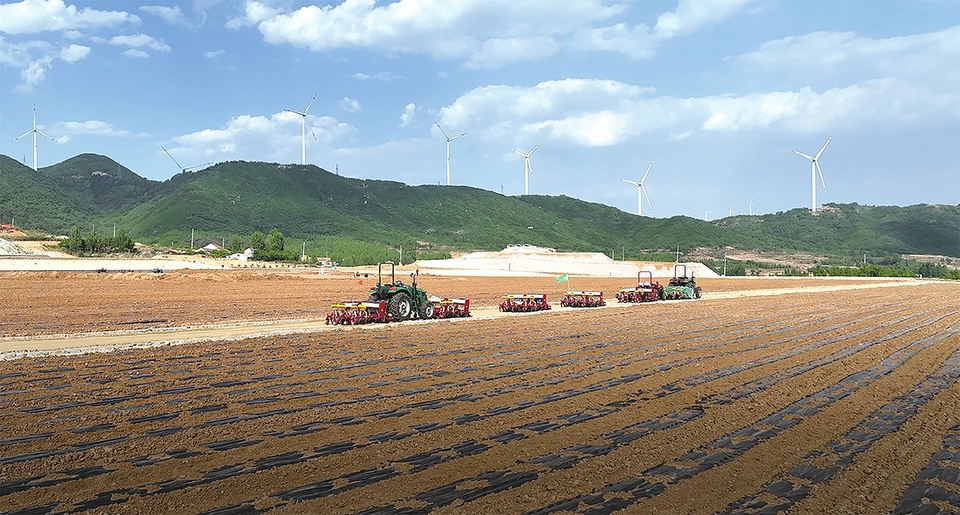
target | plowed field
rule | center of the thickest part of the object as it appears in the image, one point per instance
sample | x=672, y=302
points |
x=815, y=401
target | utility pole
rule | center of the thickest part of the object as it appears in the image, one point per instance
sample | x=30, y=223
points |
x=678, y=253
x=303, y=251
x=191, y=238
x=401, y=255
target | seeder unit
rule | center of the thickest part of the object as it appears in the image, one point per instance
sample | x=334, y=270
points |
x=645, y=291
x=524, y=302
x=450, y=308
x=358, y=312
x=582, y=299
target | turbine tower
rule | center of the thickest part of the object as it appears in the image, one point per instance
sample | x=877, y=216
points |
x=751, y=207
x=641, y=190
x=449, y=139
x=303, y=130
x=814, y=168
x=35, y=131
x=527, y=168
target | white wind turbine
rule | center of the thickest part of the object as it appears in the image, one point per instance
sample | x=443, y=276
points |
x=35, y=131
x=303, y=130
x=814, y=168
x=641, y=190
x=182, y=168
x=731, y=213
x=705, y=219
x=449, y=139
x=527, y=168
x=751, y=207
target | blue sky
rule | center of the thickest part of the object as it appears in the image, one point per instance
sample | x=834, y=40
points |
x=714, y=93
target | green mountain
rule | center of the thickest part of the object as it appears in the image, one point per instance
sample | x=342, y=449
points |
x=308, y=203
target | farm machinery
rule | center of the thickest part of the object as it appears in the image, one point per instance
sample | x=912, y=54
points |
x=681, y=286
x=524, y=302
x=582, y=299
x=396, y=301
x=645, y=290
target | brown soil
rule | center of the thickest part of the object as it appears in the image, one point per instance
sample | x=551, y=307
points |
x=812, y=401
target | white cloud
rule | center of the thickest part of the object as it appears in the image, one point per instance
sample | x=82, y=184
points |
x=690, y=15
x=74, y=53
x=33, y=16
x=252, y=137
x=172, y=15
x=136, y=53
x=927, y=54
x=64, y=130
x=382, y=76
x=213, y=54
x=409, y=111
x=139, y=41
x=35, y=58
x=486, y=34
x=349, y=105
x=597, y=113
x=494, y=53
x=637, y=42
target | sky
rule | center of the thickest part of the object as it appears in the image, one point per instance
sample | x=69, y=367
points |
x=714, y=93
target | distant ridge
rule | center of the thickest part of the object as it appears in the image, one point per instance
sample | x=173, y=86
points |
x=309, y=203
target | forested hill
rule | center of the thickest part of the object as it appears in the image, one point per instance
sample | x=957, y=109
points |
x=307, y=202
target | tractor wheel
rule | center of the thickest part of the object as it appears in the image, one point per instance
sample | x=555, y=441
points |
x=399, y=306
x=697, y=293
x=426, y=310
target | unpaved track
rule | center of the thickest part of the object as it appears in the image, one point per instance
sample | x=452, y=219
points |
x=809, y=402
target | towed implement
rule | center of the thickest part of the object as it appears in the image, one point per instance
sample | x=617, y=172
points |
x=450, y=308
x=524, y=302
x=681, y=286
x=357, y=312
x=644, y=291
x=582, y=299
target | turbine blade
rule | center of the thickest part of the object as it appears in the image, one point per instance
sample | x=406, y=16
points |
x=310, y=104
x=532, y=150
x=644, y=190
x=518, y=152
x=635, y=183
x=821, y=176
x=529, y=164
x=824, y=147
x=645, y=173
x=182, y=169
x=802, y=154
x=22, y=135
x=45, y=134
x=442, y=131
x=314, y=134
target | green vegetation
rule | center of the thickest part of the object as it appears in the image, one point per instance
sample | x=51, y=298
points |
x=357, y=221
x=93, y=243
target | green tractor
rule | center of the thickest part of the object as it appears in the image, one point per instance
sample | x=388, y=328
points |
x=681, y=286
x=404, y=301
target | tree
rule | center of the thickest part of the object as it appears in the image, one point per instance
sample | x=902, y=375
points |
x=258, y=241
x=274, y=241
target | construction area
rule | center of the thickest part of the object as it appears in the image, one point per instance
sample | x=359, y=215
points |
x=224, y=392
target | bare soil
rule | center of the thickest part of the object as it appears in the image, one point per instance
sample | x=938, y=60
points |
x=766, y=396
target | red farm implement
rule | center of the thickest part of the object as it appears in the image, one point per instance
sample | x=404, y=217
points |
x=524, y=302
x=582, y=299
x=645, y=291
x=357, y=312
x=450, y=308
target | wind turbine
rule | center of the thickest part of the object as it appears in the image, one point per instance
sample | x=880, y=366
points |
x=527, y=168
x=814, y=168
x=731, y=213
x=641, y=189
x=182, y=168
x=303, y=130
x=35, y=131
x=705, y=219
x=449, y=139
x=751, y=207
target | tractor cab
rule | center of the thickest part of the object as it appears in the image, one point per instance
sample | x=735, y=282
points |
x=404, y=301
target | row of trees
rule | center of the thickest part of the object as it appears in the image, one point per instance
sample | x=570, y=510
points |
x=93, y=243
